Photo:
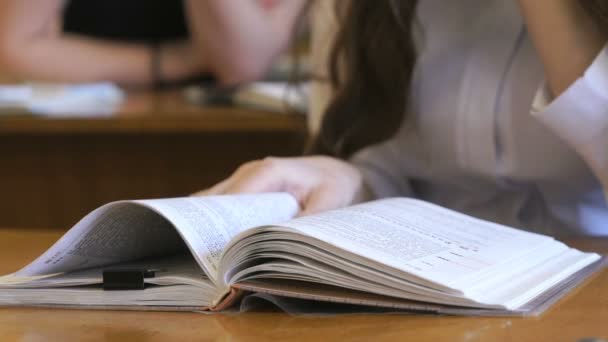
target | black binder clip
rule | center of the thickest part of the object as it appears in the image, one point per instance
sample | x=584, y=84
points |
x=126, y=279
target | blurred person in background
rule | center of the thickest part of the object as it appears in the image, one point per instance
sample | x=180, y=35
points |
x=494, y=108
x=144, y=42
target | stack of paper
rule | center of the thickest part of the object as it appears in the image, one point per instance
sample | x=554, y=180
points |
x=62, y=99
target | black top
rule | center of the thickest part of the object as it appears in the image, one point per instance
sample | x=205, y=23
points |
x=127, y=20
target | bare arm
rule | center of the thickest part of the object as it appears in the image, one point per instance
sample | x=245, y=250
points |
x=32, y=46
x=241, y=38
x=566, y=38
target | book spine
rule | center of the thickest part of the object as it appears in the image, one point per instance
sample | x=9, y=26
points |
x=232, y=297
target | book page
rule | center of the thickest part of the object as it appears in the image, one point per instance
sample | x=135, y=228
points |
x=114, y=233
x=173, y=270
x=208, y=223
x=132, y=230
x=419, y=238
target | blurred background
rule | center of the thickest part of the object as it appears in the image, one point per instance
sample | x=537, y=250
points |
x=110, y=100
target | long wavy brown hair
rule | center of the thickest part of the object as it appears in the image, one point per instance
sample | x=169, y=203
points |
x=370, y=68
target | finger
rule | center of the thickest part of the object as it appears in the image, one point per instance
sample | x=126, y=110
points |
x=217, y=189
x=261, y=180
x=267, y=175
x=321, y=199
x=222, y=187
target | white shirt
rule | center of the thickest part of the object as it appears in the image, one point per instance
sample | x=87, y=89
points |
x=487, y=139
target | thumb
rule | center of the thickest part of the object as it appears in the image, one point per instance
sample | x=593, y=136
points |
x=256, y=182
x=321, y=199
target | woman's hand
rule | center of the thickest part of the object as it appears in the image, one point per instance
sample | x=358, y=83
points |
x=318, y=183
x=33, y=46
x=181, y=60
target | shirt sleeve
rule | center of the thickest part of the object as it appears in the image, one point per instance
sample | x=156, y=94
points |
x=380, y=166
x=580, y=115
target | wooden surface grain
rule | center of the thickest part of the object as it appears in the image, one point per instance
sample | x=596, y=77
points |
x=582, y=314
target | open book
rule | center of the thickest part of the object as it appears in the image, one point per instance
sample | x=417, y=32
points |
x=205, y=252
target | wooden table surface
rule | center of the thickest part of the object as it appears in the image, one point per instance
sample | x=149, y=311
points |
x=582, y=314
x=148, y=112
x=54, y=170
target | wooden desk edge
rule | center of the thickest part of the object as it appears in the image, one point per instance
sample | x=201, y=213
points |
x=153, y=125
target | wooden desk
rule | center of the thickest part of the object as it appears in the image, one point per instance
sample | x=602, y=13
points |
x=583, y=313
x=53, y=171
